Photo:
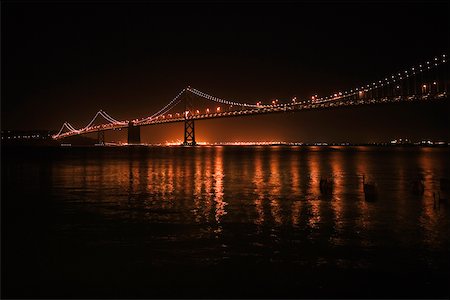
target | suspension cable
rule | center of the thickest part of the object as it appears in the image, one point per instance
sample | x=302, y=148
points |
x=219, y=100
x=164, y=109
x=413, y=71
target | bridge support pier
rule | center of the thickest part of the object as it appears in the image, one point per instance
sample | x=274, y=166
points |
x=100, y=137
x=189, y=133
x=134, y=134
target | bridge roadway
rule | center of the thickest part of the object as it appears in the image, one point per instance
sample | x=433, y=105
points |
x=280, y=108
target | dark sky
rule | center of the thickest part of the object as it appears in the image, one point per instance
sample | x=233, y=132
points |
x=64, y=61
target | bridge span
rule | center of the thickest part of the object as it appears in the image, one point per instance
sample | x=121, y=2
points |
x=425, y=82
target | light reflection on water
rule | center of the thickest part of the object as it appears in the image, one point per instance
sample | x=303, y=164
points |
x=228, y=205
x=263, y=186
x=260, y=202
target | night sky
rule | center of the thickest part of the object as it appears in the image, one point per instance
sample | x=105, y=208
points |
x=64, y=61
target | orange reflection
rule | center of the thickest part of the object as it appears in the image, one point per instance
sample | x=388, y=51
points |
x=338, y=189
x=258, y=181
x=314, y=171
x=314, y=174
x=364, y=221
x=296, y=191
x=198, y=197
x=275, y=187
x=218, y=185
x=295, y=177
x=431, y=213
x=208, y=183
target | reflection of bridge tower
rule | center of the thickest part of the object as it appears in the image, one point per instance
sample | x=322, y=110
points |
x=189, y=129
x=134, y=134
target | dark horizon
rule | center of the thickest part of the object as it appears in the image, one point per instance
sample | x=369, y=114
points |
x=64, y=61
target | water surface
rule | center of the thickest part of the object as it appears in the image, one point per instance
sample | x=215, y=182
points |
x=223, y=222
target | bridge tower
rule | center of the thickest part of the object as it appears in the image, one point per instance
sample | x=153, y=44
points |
x=134, y=134
x=189, y=133
x=101, y=137
x=189, y=129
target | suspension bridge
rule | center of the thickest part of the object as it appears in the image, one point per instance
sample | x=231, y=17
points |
x=424, y=82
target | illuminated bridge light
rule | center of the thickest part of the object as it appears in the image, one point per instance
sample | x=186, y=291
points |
x=242, y=108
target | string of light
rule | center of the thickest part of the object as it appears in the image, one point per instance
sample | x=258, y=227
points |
x=164, y=109
x=71, y=128
x=92, y=121
x=62, y=128
x=219, y=100
x=111, y=119
x=415, y=70
x=107, y=117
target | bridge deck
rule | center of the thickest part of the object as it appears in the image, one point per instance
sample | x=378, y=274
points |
x=289, y=107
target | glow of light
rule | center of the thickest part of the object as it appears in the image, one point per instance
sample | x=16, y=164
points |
x=113, y=122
